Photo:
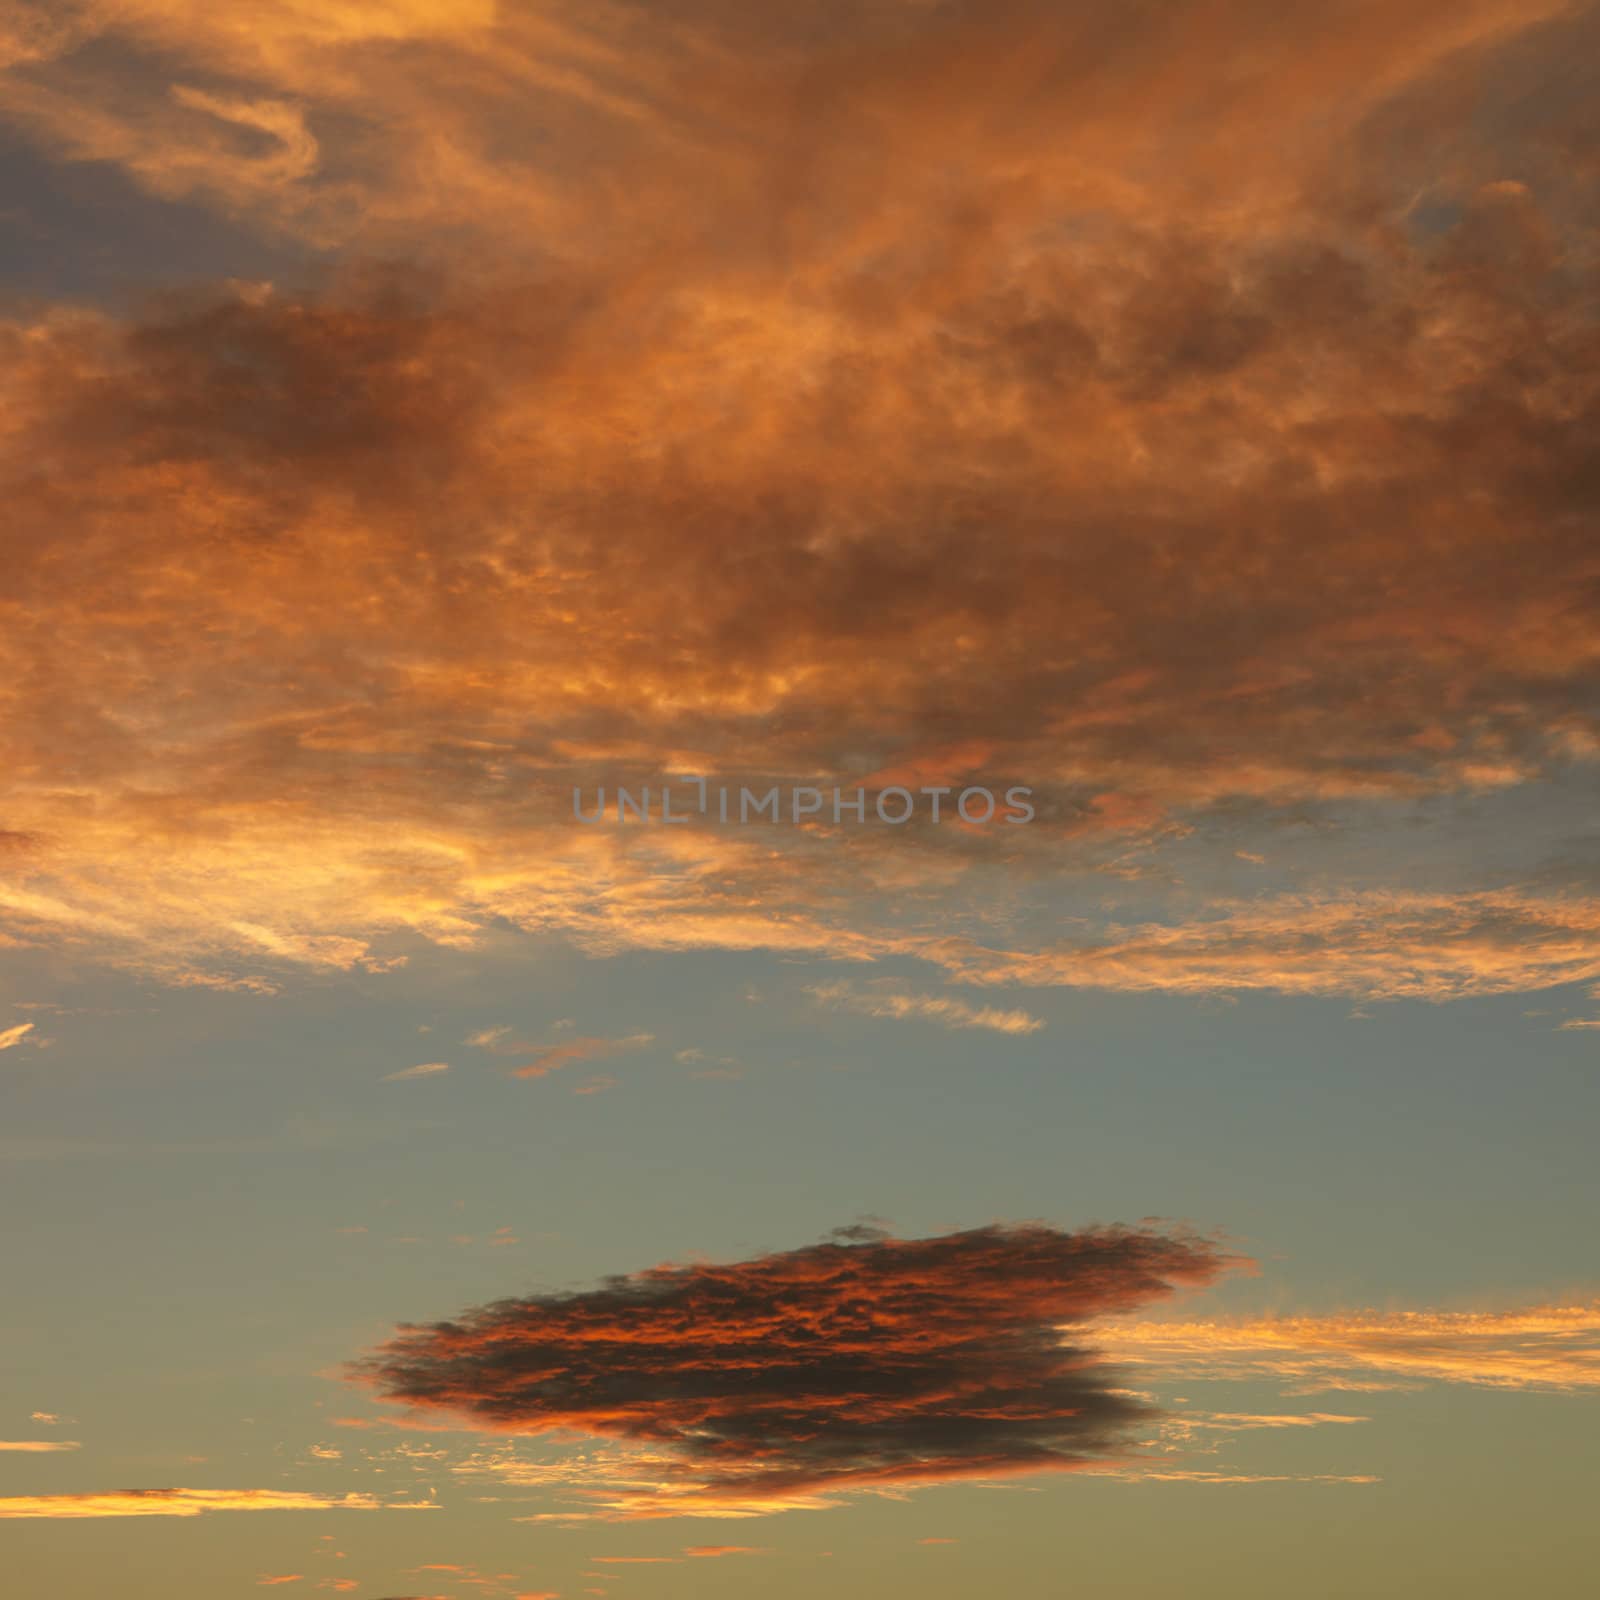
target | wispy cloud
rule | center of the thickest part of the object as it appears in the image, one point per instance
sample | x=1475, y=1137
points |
x=427, y=1069
x=1540, y=1347
x=38, y=1446
x=1380, y=944
x=192, y=1503
x=1217, y=1475
x=10, y=1037
x=554, y=1057
x=942, y=1009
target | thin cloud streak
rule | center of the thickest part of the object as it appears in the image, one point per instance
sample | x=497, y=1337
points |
x=191, y=1503
x=942, y=1009
x=554, y=1057
x=1538, y=1348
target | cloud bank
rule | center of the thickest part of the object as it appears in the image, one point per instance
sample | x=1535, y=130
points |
x=1185, y=412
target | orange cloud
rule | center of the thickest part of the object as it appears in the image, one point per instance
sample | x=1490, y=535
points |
x=968, y=392
x=1022, y=105
x=1540, y=1347
x=555, y=1057
x=1380, y=943
x=191, y=1503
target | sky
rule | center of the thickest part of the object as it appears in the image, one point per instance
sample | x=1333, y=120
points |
x=799, y=799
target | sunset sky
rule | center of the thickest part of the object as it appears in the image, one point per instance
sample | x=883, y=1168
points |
x=418, y=417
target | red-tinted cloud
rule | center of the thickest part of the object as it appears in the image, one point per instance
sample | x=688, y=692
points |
x=856, y=1364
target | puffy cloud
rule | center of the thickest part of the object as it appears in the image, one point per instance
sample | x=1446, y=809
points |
x=790, y=1378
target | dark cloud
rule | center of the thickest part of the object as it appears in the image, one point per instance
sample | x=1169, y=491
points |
x=841, y=1366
